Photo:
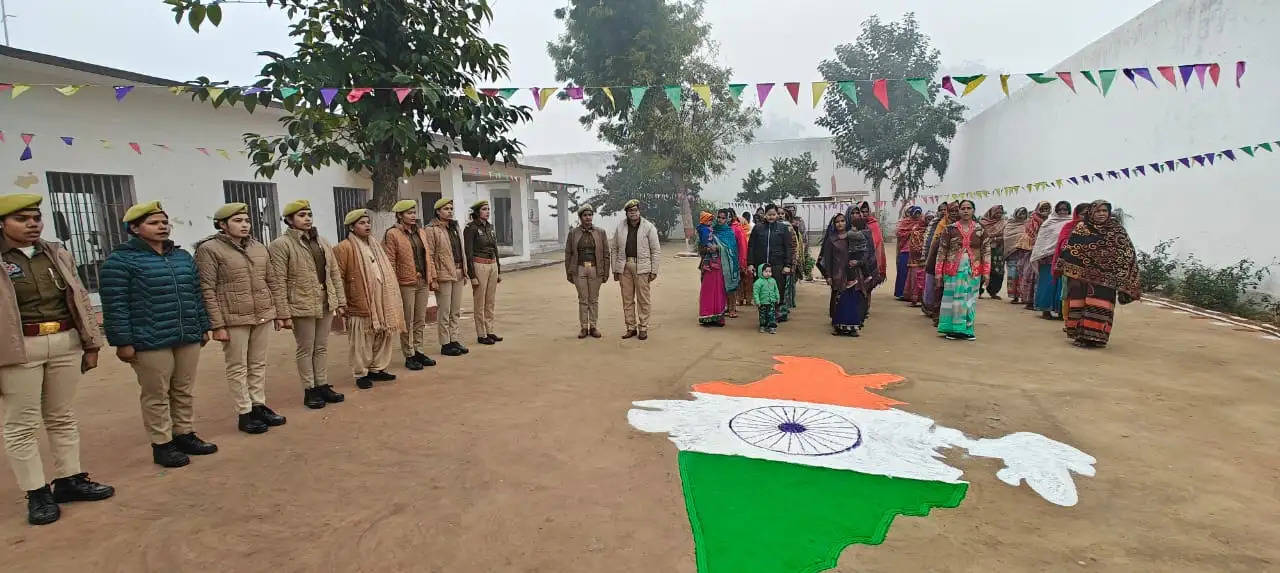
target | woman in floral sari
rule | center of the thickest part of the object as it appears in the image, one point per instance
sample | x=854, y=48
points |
x=963, y=262
x=1100, y=266
x=1013, y=231
x=1048, y=291
x=719, y=265
x=844, y=255
x=993, y=224
x=1027, y=272
x=915, y=260
x=906, y=226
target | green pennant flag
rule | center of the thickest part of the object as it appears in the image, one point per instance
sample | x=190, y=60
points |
x=637, y=95
x=506, y=93
x=850, y=90
x=1040, y=79
x=1247, y=149
x=1088, y=75
x=1107, y=76
x=1266, y=146
x=736, y=90
x=921, y=85
x=673, y=94
x=286, y=93
x=965, y=79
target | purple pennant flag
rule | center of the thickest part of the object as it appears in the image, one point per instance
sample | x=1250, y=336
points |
x=575, y=92
x=1126, y=172
x=1128, y=73
x=1185, y=162
x=1186, y=71
x=1171, y=165
x=328, y=94
x=1141, y=170
x=1200, y=70
x=1155, y=167
x=1113, y=174
x=1199, y=159
x=254, y=90
x=1229, y=154
x=1239, y=72
x=1145, y=74
x=1210, y=157
x=1073, y=180
x=1097, y=176
x=1085, y=177
x=762, y=92
x=26, y=153
x=68, y=140
x=122, y=91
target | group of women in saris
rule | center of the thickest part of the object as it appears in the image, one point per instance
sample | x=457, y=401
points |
x=722, y=252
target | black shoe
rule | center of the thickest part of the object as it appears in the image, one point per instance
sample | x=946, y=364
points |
x=167, y=455
x=192, y=445
x=325, y=391
x=630, y=334
x=79, y=488
x=381, y=376
x=41, y=510
x=250, y=424
x=364, y=383
x=411, y=363
x=485, y=341
x=424, y=360
x=643, y=335
x=311, y=398
x=595, y=333
x=495, y=337
x=854, y=333
x=451, y=350
x=268, y=416
x=459, y=346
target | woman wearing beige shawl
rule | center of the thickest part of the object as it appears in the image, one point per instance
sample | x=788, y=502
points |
x=374, y=309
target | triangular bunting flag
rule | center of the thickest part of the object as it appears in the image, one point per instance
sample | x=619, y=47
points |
x=819, y=88
x=1199, y=159
x=736, y=90
x=1239, y=72
x=224, y=154
x=253, y=90
x=1088, y=75
x=704, y=92
x=609, y=94
x=5, y=87
x=880, y=88
x=166, y=147
x=637, y=95
x=1171, y=165
x=1215, y=71
x=1155, y=167
x=793, y=88
x=850, y=90
x=1200, y=70
x=575, y=92
x=1125, y=171
x=1066, y=79
x=762, y=92
x=202, y=150
x=215, y=93
x=68, y=90
x=544, y=96
x=1004, y=84
x=1210, y=157
x=1106, y=77
x=19, y=89
x=326, y=93
x=178, y=90
x=1229, y=154
x=26, y=154
x=1097, y=176
x=921, y=85
x=68, y=140
x=490, y=92
x=135, y=147
x=286, y=93
x=1113, y=174
x=1041, y=79
x=1140, y=170
x=947, y=85
x=355, y=94
x=105, y=144
x=1169, y=74
x=506, y=93
x=27, y=137
x=1186, y=71
x=1266, y=146
x=1073, y=180
x=1185, y=162
x=674, y=93
x=401, y=93
x=122, y=91
x=971, y=83
x=1128, y=73
x=1145, y=74
x=1248, y=150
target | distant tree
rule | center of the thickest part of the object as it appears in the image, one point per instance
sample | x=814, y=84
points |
x=434, y=46
x=636, y=175
x=902, y=145
x=788, y=177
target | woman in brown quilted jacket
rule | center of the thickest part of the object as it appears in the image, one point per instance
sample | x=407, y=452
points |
x=449, y=260
x=233, y=279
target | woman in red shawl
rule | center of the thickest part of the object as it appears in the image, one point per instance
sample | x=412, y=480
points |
x=1025, y=291
x=906, y=226
x=1101, y=267
x=1081, y=211
x=877, y=236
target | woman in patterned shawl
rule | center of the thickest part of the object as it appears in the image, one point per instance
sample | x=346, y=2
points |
x=712, y=295
x=1048, y=290
x=845, y=259
x=915, y=260
x=1101, y=267
x=1013, y=231
x=913, y=220
x=930, y=281
x=963, y=262
x=1022, y=254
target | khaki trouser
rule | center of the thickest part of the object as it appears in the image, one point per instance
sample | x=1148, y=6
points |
x=588, y=282
x=167, y=377
x=369, y=350
x=42, y=389
x=635, y=289
x=448, y=311
x=483, y=297
x=246, y=358
x=312, y=337
x=416, y=299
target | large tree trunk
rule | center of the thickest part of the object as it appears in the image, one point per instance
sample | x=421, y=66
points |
x=386, y=190
x=686, y=212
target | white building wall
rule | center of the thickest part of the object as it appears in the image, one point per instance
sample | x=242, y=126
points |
x=1221, y=213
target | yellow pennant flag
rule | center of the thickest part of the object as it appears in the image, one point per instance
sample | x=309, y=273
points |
x=177, y=90
x=471, y=93
x=18, y=89
x=215, y=93
x=105, y=144
x=973, y=85
x=1004, y=84
x=818, y=89
x=609, y=93
x=544, y=95
x=223, y=153
x=704, y=92
x=69, y=90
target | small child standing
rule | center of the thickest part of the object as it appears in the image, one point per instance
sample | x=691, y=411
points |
x=766, y=295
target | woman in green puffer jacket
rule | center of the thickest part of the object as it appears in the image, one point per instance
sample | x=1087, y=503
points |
x=153, y=313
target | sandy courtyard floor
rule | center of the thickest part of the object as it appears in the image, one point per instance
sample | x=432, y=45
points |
x=519, y=457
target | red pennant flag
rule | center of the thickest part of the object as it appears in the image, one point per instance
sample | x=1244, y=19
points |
x=402, y=93
x=880, y=88
x=793, y=88
x=26, y=138
x=1168, y=73
x=2, y=140
x=491, y=92
x=1066, y=79
x=202, y=150
x=947, y=85
x=1214, y=71
x=355, y=94
x=135, y=147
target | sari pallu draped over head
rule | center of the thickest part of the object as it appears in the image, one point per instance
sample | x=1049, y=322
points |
x=1102, y=254
x=1014, y=230
x=1032, y=229
x=728, y=243
x=1081, y=213
x=1047, y=237
x=840, y=248
x=994, y=222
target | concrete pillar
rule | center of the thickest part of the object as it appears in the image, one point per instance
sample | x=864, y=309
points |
x=562, y=215
x=521, y=202
x=453, y=187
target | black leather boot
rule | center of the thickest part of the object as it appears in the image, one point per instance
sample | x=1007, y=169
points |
x=326, y=392
x=167, y=455
x=459, y=346
x=192, y=445
x=495, y=337
x=424, y=360
x=250, y=424
x=485, y=340
x=79, y=488
x=311, y=398
x=41, y=510
x=268, y=416
x=411, y=363
x=364, y=383
x=451, y=349
x=381, y=376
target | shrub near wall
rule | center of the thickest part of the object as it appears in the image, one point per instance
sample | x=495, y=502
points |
x=1231, y=289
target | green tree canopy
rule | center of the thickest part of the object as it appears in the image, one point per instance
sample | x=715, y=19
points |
x=636, y=175
x=902, y=145
x=788, y=177
x=435, y=47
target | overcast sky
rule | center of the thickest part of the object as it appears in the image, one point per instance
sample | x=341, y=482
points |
x=762, y=40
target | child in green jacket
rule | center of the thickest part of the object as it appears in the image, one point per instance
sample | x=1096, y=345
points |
x=766, y=294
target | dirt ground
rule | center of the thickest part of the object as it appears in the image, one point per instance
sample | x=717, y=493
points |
x=519, y=457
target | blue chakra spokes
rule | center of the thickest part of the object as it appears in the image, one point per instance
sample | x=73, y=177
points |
x=796, y=430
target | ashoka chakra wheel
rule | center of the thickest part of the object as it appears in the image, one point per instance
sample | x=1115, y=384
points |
x=797, y=430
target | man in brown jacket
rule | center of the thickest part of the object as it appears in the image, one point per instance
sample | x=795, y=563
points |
x=233, y=279
x=406, y=247
x=48, y=338
x=374, y=312
x=586, y=265
x=306, y=290
x=450, y=276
